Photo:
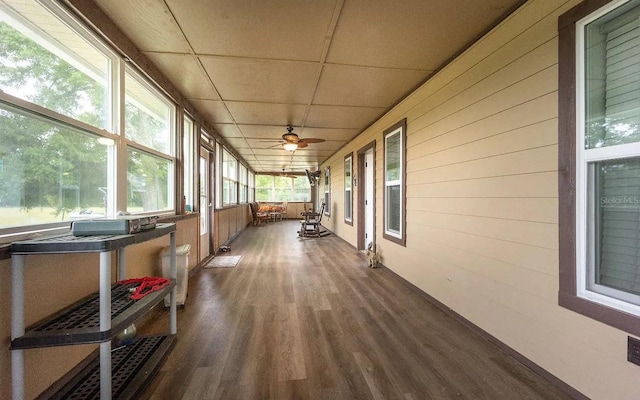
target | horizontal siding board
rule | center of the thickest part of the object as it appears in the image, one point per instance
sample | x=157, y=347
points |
x=543, y=210
x=524, y=162
x=541, y=184
x=515, y=256
x=539, y=85
x=523, y=115
x=523, y=232
x=536, y=135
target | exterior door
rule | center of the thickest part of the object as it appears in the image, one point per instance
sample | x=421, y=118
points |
x=366, y=196
x=205, y=204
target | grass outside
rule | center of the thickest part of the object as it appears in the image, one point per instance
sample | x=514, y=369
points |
x=16, y=216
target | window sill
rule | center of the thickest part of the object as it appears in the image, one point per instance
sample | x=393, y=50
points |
x=607, y=315
x=395, y=239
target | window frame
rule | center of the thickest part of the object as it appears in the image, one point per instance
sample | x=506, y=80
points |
x=227, y=176
x=109, y=134
x=400, y=128
x=243, y=194
x=327, y=191
x=132, y=145
x=188, y=164
x=251, y=195
x=572, y=271
x=273, y=189
x=348, y=188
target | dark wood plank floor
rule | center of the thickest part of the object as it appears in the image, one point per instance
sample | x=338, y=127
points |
x=306, y=319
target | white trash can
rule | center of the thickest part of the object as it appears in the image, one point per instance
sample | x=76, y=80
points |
x=182, y=272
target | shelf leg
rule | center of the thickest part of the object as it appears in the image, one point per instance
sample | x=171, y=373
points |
x=122, y=265
x=173, y=274
x=105, y=324
x=17, y=325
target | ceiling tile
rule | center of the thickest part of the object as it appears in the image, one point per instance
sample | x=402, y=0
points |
x=265, y=144
x=363, y=86
x=214, y=111
x=227, y=130
x=331, y=145
x=149, y=25
x=266, y=113
x=414, y=34
x=185, y=72
x=237, y=143
x=329, y=133
x=262, y=131
x=271, y=153
x=280, y=29
x=271, y=81
x=342, y=117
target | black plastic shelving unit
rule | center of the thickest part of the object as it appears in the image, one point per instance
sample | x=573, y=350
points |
x=98, y=318
x=80, y=322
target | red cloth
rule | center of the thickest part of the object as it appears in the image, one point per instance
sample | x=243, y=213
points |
x=148, y=284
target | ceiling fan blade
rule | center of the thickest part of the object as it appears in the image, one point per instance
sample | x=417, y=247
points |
x=311, y=140
x=302, y=144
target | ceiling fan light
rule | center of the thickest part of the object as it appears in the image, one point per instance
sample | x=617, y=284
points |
x=290, y=146
x=290, y=137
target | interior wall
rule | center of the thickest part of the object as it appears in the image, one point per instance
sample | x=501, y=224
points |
x=482, y=201
x=229, y=222
x=54, y=281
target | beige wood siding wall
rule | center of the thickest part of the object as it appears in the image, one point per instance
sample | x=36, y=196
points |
x=482, y=220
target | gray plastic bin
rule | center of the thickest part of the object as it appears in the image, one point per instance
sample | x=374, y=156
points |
x=182, y=271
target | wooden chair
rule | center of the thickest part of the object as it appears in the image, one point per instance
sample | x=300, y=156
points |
x=276, y=213
x=257, y=214
x=310, y=225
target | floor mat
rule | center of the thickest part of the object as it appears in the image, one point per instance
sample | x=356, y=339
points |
x=223, y=262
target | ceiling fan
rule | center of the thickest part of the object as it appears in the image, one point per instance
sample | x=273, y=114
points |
x=293, y=142
x=287, y=174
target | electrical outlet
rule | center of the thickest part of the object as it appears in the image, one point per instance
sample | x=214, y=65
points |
x=633, y=350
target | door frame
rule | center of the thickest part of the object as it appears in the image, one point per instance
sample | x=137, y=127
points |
x=209, y=208
x=361, y=193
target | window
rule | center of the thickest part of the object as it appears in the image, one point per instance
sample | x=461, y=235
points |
x=327, y=191
x=50, y=173
x=242, y=180
x=252, y=187
x=301, y=189
x=56, y=125
x=348, y=193
x=229, y=179
x=149, y=122
x=264, y=188
x=187, y=162
x=61, y=95
x=270, y=188
x=598, y=273
x=55, y=64
x=218, y=170
x=394, y=182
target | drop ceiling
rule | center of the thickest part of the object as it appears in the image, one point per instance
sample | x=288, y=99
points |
x=329, y=68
